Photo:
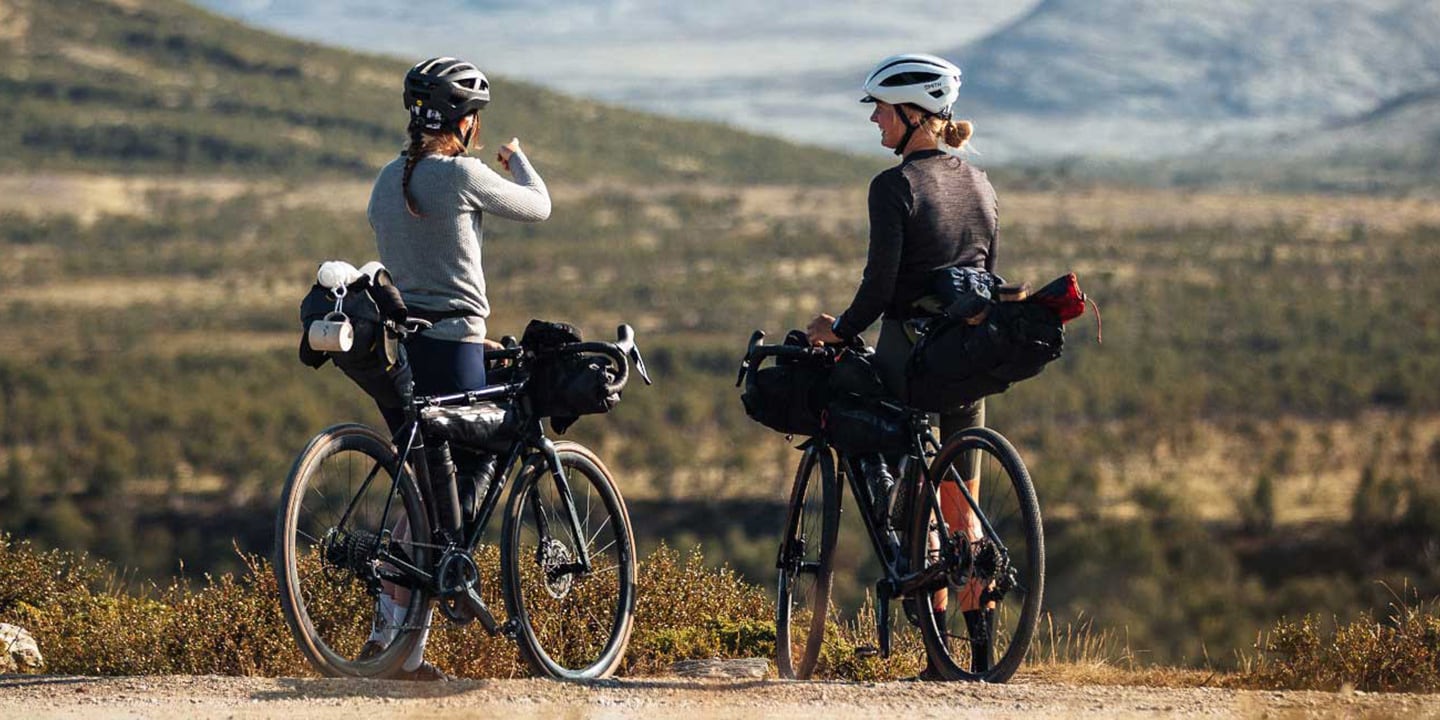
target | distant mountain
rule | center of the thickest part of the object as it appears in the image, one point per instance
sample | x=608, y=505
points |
x=1394, y=146
x=787, y=69
x=1162, y=77
x=150, y=86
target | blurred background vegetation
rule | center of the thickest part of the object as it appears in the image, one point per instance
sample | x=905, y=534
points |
x=1256, y=438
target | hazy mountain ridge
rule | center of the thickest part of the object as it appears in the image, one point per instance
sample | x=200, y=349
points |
x=1312, y=59
x=163, y=86
x=1295, y=93
x=1109, y=81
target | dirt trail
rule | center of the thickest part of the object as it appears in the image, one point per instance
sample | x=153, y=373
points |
x=292, y=698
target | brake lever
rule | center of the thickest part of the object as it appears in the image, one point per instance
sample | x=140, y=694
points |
x=756, y=338
x=625, y=341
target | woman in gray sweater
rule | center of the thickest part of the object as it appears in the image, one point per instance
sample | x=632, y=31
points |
x=427, y=209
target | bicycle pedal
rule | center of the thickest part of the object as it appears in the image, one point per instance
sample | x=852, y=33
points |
x=866, y=651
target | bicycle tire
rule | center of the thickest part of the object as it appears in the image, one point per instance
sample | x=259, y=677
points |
x=557, y=628
x=814, y=499
x=329, y=608
x=966, y=648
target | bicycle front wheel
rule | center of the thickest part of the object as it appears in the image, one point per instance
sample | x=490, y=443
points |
x=981, y=622
x=332, y=534
x=573, y=623
x=807, y=564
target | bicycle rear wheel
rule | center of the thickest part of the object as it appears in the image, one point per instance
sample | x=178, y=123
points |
x=329, y=539
x=807, y=564
x=572, y=624
x=981, y=623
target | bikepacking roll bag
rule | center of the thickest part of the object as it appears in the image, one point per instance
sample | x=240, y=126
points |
x=565, y=385
x=861, y=415
x=955, y=362
x=488, y=426
x=790, y=395
x=856, y=424
x=375, y=359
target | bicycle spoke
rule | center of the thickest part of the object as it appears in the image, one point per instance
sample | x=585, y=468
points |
x=591, y=541
x=570, y=620
x=989, y=621
x=329, y=599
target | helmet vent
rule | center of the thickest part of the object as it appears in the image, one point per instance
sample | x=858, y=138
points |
x=908, y=78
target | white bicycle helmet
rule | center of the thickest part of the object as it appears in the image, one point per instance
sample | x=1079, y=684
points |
x=926, y=81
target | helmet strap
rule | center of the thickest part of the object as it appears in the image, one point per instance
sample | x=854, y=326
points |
x=469, y=135
x=910, y=129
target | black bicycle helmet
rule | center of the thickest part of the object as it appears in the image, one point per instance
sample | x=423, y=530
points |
x=440, y=91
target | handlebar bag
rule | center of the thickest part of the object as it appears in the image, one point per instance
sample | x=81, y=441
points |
x=563, y=386
x=376, y=360
x=544, y=335
x=787, y=397
x=790, y=395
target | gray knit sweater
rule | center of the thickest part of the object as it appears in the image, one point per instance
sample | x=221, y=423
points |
x=435, y=259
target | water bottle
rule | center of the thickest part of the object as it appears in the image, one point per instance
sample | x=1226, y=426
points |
x=442, y=485
x=881, y=483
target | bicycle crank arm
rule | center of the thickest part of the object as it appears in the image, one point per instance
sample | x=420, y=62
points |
x=476, y=606
x=882, y=616
x=928, y=580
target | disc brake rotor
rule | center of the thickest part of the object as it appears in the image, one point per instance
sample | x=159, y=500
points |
x=553, y=555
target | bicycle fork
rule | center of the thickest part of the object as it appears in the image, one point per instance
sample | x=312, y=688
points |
x=581, y=565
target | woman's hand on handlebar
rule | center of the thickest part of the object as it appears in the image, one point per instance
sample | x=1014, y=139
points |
x=498, y=353
x=821, y=331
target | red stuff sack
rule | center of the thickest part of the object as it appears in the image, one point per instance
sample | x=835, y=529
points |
x=1063, y=296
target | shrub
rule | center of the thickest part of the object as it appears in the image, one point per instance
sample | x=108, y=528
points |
x=1400, y=653
x=87, y=623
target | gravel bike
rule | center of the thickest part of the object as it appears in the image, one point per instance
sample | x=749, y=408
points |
x=981, y=549
x=364, y=513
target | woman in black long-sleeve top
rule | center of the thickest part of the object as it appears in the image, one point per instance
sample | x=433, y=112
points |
x=930, y=212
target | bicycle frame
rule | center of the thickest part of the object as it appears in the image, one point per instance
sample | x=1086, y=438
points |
x=898, y=579
x=398, y=570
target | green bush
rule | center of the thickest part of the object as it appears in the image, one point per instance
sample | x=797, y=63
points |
x=86, y=623
x=1399, y=653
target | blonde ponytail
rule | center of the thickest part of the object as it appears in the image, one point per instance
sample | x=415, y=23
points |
x=950, y=135
x=956, y=133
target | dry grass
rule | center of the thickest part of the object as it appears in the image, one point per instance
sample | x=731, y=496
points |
x=1397, y=653
x=88, y=623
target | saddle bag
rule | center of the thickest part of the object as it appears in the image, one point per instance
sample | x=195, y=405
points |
x=356, y=324
x=955, y=362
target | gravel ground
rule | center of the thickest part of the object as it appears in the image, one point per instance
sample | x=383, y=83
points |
x=291, y=698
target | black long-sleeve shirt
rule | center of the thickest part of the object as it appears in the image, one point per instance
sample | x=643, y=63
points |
x=931, y=211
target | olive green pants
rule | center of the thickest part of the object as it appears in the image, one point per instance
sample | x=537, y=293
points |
x=892, y=351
